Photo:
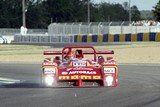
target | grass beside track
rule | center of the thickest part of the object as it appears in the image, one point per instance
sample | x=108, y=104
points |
x=138, y=52
x=21, y=49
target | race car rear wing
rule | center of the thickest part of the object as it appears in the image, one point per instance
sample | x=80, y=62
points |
x=84, y=52
x=52, y=53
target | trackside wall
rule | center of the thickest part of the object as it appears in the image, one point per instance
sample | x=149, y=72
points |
x=118, y=37
x=101, y=38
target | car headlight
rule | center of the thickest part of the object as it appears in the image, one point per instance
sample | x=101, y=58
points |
x=49, y=70
x=109, y=80
x=49, y=80
x=109, y=70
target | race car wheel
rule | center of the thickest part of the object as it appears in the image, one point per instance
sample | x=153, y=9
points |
x=100, y=83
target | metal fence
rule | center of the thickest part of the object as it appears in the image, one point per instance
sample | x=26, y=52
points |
x=64, y=29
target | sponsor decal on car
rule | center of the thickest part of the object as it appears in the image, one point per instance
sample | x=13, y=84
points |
x=79, y=63
x=84, y=77
x=109, y=70
x=82, y=72
x=49, y=63
x=80, y=68
x=64, y=73
x=49, y=70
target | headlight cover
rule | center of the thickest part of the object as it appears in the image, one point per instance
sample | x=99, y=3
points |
x=109, y=70
x=49, y=80
x=109, y=80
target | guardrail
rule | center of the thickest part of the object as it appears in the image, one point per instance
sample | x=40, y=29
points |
x=7, y=34
x=88, y=38
x=43, y=39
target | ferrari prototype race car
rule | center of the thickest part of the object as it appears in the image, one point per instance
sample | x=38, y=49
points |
x=79, y=66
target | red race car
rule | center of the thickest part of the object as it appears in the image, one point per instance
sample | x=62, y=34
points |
x=79, y=66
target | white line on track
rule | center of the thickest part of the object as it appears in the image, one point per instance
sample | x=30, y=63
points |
x=4, y=80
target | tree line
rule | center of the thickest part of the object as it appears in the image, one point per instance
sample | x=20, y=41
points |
x=156, y=11
x=40, y=13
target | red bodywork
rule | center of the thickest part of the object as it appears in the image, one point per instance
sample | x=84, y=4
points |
x=98, y=71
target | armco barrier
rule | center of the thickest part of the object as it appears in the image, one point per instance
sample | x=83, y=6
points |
x=88, y=38
x=43, y=39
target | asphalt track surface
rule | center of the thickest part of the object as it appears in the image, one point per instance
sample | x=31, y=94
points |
x=139, y=86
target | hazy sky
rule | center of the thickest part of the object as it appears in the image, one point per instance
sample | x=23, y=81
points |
x=141, y=4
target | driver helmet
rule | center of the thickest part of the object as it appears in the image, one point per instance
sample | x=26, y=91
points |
x=79, y=54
